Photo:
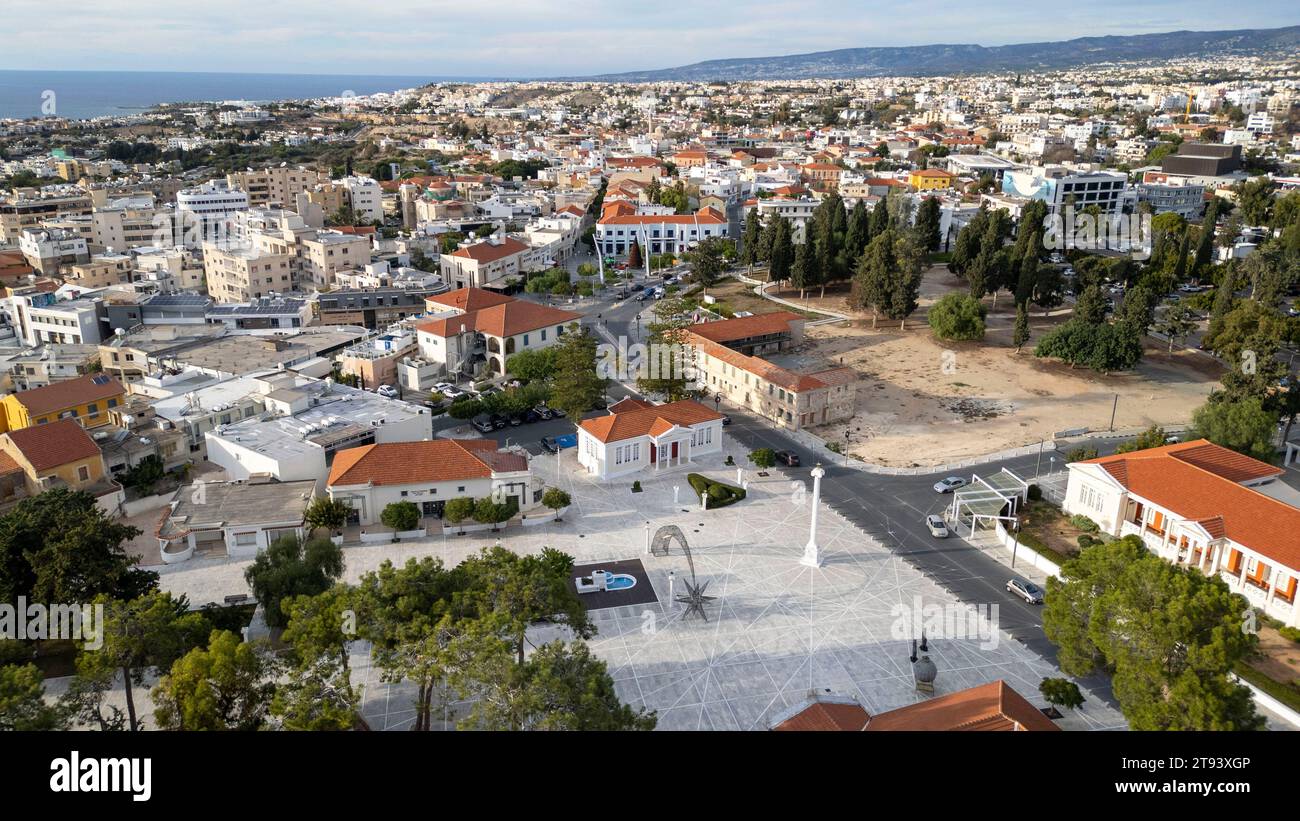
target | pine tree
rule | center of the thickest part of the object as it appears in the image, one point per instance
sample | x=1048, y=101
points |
x=751, y=240
x=634, y=256
x=1021, y=333
x=800, y=275
x=782, y=254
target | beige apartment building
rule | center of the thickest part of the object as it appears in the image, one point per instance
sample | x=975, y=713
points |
x=747, y=361
x=28, y=212
x=279, y=184
x=240, y=273
x=321, y=257
x=102, y=271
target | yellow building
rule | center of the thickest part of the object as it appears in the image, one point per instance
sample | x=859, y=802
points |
x=930, y=179
x=59, y=454
x=86, y=399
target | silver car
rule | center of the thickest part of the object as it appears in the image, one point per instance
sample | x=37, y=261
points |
x=937, y=526
x=1026, y=590
x=949, y=485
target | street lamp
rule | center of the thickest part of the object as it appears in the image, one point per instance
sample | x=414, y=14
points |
x=812, y=554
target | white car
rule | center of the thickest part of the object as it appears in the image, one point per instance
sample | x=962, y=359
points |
x=387, y=391
x=937, y=526
x=949, y=485
x=448, y=390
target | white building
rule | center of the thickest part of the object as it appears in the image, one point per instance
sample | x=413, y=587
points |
x=365, y=198
x=637, y=434
x=428, y=474
x=206, y=213
x=657, y=229
x=1199, y=505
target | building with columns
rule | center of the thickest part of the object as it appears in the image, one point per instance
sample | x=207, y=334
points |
x=1203, y=506
x=636, y=435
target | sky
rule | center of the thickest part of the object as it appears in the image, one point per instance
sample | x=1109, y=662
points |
x=541, y=38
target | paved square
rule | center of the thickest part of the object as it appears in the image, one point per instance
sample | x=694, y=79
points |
x=776, y=630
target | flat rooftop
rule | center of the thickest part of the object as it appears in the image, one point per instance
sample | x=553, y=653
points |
x=231, y=504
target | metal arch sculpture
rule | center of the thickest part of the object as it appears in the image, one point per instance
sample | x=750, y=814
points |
x=694, y=598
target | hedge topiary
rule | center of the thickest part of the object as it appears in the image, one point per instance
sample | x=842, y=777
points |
x=720, y=493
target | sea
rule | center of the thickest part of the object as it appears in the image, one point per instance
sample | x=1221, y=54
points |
x=80, y=95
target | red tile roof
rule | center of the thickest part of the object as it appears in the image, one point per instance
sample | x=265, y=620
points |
x=498, y=315
x=827, y=715
x=57, y=396
x=57, y=443
x=409, y=463
x=488, y=251
x=705, y=216
x=727, y=330
x=992, y=706
x=654, y=420
x=1199, y=481
x=775, y=374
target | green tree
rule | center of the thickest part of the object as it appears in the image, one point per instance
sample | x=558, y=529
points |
x=225, y=686
x=957, y=317
x=872, y=281
x=316, y=693
x=1092, y=305
x=556, y=500
x=560, y=687
x=1255, y=200
x=801, y=274
x=905, y=280
x=458, y=510
x=928, y=218
x=763, y=458
x=533, y=364
x=327, y=514
x=401, y=516
x=22, y=701
x=60, y=546
x=781, y=254
x=1169, y=637
x=139, y=635
x=1061, y=692
x=751, y=240
x=1152, y=437
x=576, y=386
x=1020, y=335
x=507, y=592
x=292, y=567
x=1176, y=324
x=708, y=261
x=1243, y=425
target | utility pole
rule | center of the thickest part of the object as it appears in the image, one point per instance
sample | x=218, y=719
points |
x=1114, y=408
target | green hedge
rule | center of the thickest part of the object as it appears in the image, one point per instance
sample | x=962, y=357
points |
x=1288, y=694
x=720, y=494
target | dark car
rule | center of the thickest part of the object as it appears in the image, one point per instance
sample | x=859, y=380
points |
x=499, y=421
x=557, y=413
x=483, y=423
x=531, y=416
x=550, y=445
x=515, y=419
x=726, y=420
x=787, y=458
x=544, y=412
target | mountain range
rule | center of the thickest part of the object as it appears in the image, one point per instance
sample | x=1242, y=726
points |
x=974, y=59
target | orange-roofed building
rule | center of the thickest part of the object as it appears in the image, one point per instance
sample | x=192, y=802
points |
x=1200, y=505
x=636, y=435
x=60, y=454
x=490, y=263
x=470, y=326
x=729, y=362
x=655, y=228
x=992, y=707
x=428, y=474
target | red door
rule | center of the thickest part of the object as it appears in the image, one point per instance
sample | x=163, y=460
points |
x=674, y=450
x=654, y=453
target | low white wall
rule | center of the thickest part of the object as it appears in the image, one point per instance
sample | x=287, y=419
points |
x=1271, y=704
x=1024, y=553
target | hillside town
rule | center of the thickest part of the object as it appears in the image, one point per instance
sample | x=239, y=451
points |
x=794, y=405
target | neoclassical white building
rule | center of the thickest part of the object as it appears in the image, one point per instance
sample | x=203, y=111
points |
x=636, y=435
x=1198, y=504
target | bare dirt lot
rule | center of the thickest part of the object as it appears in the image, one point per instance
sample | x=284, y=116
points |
x=922, y=401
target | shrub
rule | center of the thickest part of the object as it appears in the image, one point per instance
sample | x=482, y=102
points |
x=488, y=511
x=1062, y=692
x=458, y=510
x=1080, y=454
x=957, y=317
x=1084, y=523
x=1292, y=633
x=763, y=457
x=556, y=500
x=401, y=516
x=720, y=494
x=1034, y=492
x=327, y=513
x=636, y=486
x=1085, y=541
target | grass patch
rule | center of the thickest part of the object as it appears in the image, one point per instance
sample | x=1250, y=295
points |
x=1287, y=693
x=720, y=494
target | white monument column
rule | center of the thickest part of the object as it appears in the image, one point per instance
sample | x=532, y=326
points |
x=812, y=554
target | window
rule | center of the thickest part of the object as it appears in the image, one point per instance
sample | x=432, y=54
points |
x=244, y=539
x=83, y=473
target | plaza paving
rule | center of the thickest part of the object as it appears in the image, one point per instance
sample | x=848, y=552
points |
x=776, y=630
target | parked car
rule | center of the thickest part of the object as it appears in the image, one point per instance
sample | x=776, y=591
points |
x=489, y=390
x=516, y=419
x=483, y=423
x=499, y=421
x=949, y=485
x=937, y=526
x=449, y=390
x=549, y=444
x=387, y=391
x=787, y=458
x=1026, y=590
x=557, y=413
x=726, y=420
x=544, y=412
x=531, y=416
